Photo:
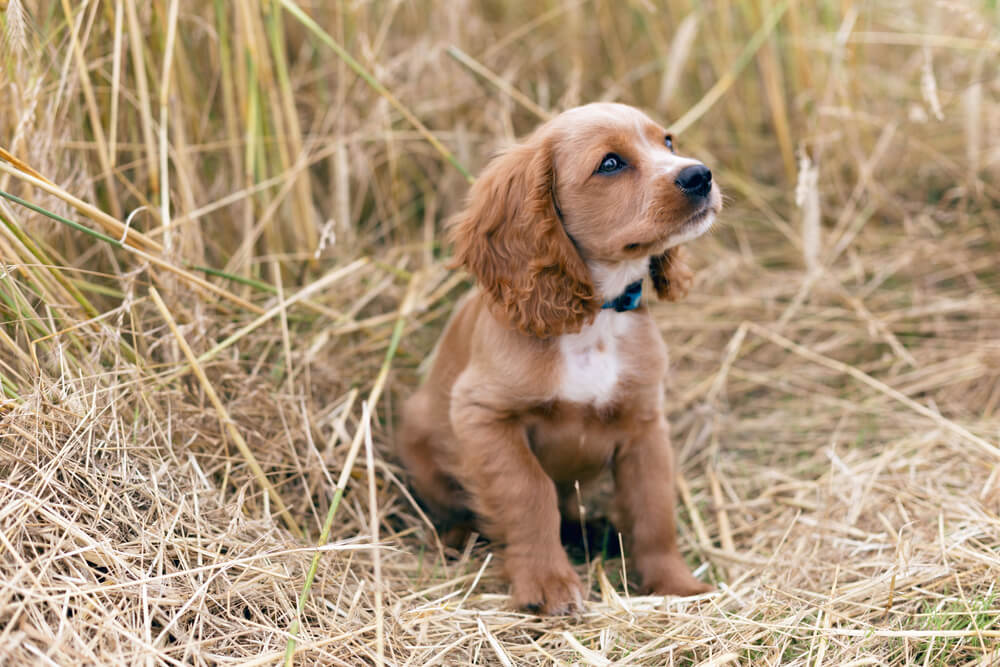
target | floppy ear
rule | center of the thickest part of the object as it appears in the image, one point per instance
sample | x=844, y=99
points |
x=511, y=239
x=671, y=275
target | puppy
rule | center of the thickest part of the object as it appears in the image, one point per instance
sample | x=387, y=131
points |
x=552, y=371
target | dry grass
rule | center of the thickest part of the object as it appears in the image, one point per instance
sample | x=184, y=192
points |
x=836, y=379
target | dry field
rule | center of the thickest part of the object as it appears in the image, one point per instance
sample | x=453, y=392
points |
x=220, y=274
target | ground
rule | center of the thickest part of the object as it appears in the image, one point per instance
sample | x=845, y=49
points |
x=200, y=381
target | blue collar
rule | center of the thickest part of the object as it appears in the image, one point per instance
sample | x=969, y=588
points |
x=627, y=300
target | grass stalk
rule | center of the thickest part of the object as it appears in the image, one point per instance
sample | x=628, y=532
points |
x=345, y=471
x=507, y=89
x=93, y=111
x=225, y=419
x=163, y=264
x=325, y=37
x=730, y=76
x=145, y=110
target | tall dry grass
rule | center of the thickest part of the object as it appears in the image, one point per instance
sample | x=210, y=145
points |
x=219, y=249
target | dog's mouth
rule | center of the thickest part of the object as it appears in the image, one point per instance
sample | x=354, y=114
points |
x=691, y=227
x=694, y=221
x=705, y=211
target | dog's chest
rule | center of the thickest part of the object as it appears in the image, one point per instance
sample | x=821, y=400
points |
x=592, y=361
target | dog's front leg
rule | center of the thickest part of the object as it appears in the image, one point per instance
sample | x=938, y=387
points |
x=644, y=497
x=514, y=501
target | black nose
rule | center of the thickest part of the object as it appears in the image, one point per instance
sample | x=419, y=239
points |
x=695, y=181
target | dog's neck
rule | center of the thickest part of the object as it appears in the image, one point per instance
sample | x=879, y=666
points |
x=627, y=300
x=611, y=280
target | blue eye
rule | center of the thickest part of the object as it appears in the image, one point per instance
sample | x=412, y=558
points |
x=669, y=143
x=610, y=164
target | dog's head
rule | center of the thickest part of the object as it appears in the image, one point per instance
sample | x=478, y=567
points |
x=565, y=220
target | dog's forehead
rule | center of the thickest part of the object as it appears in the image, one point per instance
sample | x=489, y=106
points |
x=605, y=116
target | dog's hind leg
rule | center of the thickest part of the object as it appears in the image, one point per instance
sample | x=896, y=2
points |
x=418, y=447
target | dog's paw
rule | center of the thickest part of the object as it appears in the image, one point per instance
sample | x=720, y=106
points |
x=546, y=586
x=668, y=574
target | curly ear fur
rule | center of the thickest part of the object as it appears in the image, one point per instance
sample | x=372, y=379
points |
x=671, y=275
x=511, y=239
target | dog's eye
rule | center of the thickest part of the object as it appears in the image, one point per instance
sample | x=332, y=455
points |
x=610, y=164
x=669, y=143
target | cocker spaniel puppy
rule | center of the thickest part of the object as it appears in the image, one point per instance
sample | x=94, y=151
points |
x=553, y=370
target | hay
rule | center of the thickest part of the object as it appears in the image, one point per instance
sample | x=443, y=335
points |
x=836, y=370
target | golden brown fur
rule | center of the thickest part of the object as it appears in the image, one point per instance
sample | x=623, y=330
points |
x=534, y=385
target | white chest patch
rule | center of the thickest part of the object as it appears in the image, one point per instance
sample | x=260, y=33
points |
x=591, y=360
